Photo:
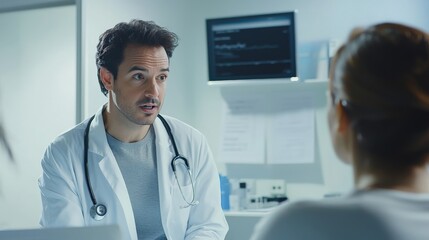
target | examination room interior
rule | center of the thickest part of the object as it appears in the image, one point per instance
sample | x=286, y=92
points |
x=48, y=82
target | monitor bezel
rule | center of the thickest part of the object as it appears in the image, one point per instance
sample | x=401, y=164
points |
x=214, y=80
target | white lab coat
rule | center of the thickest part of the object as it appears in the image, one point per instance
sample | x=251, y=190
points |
x=66, y=200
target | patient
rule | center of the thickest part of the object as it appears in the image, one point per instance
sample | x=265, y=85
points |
x=379, y=123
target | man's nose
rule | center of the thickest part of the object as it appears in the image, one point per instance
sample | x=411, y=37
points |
x=152, y=88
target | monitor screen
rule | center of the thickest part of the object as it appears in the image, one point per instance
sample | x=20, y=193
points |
x=252, y=47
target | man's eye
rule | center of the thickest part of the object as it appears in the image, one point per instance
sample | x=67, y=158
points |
x=163, y=77
x=138, y=76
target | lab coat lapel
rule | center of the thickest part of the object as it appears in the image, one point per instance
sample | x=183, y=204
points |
x=110, y=169
x=164, y=153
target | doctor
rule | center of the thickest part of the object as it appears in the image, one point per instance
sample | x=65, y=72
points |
x=122, y=166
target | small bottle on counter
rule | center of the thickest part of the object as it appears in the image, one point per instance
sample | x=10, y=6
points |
x=242, y=196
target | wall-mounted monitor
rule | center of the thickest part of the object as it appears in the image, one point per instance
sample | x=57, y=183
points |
x=256, y=47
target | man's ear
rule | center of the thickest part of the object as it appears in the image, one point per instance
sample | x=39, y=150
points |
x=342, y=118
x=106, y=78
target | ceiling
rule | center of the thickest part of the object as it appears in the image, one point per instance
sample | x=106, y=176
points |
x=17, y=5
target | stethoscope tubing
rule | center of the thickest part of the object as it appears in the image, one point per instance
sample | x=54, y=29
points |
x=85, y=160
x=98, y=211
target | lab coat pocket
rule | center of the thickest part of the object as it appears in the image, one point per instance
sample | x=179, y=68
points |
x=182, y=196
x=179, y=213
x=180, y=208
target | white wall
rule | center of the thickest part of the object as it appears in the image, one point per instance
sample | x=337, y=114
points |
x=37, y=99
x=192, y=100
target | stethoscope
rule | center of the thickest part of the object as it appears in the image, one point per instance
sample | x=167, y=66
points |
x=99, y=210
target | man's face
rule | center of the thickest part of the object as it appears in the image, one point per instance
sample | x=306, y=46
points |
x=138, y=91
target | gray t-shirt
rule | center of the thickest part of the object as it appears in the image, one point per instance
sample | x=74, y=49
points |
x=370, y=215
x=137, y=162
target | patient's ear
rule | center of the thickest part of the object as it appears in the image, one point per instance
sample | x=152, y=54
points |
x=106, y=78
x=341, y=133
x=342, y=118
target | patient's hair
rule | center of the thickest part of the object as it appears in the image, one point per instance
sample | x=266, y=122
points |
x=112, y=43
x=381, y=78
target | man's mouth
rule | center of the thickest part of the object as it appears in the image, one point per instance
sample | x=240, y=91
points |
x=149, y=107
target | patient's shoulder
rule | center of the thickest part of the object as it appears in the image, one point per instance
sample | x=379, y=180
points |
x=333, y=219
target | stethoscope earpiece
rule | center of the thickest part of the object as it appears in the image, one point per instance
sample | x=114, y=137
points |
x=98, y=211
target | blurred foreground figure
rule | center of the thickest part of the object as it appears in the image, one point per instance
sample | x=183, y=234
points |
x=5, y=143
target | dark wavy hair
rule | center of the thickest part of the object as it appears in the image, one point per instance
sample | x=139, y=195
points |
x=381, y=77
x=112, y=43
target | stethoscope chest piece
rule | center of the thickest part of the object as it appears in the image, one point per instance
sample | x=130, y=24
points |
x=98, y=212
